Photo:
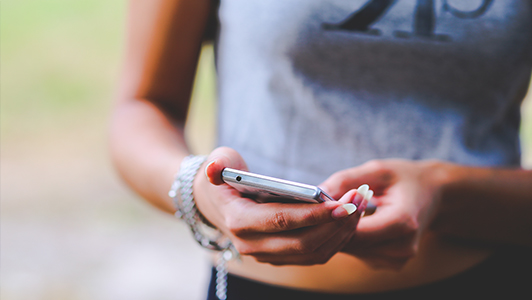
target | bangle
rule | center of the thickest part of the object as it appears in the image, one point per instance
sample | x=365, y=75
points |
x=204, y=233
x=182, y=194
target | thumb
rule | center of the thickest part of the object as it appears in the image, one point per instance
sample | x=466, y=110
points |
x=378, y=176
x=221, y=158
x=341, y=182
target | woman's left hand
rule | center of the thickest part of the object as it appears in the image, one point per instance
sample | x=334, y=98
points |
x=406, y=195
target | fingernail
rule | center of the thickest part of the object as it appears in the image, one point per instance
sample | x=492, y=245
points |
x=363, y=207
x=344, y=211
x=363, y=189
x=361, y=193
x=207, y=166
x=350, y=208
x=369, y=195
x=358, y=198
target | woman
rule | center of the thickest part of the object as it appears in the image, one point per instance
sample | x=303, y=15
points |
x=419, y=102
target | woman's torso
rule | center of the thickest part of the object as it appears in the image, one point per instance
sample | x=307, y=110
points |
x=310, y=87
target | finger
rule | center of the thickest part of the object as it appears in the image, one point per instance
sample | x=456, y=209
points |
x=221, y=158
x=305, y=240
x=374, y=174
x=341, y=182
x=297, y=242
x=361, y=193
x=277, y=217
x=250, y=217
x=386, y=224
x=350, y=202
x=321, y=254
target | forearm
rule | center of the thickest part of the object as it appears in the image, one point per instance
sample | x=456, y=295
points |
x=146, y=149
x=485, y=204
x=147, y=143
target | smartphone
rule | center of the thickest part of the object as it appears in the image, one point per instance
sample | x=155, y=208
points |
x=264, y=188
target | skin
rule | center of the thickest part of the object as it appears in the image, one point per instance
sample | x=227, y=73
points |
x=275, y=233
x=485, y=205
x=434, y=218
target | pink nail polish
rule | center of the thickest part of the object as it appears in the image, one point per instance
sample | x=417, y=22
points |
x=339, y=213
x=344, y=211
x=357, y=199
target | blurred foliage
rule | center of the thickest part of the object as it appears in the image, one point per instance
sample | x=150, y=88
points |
x=70, y=229
x=526, y=130
x=58, y=58
x=60, y=63
x=201, y=122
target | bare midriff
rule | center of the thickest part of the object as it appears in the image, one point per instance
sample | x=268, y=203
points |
x=437, y=259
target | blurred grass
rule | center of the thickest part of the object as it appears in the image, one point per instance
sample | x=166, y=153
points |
x=70, y=229
x=58, y=58
x=526, y=130
x=60, y=61
x=201, y=123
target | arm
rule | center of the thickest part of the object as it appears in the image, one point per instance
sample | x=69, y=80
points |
x=147, y=145
x=147, y=142
x=486, y=204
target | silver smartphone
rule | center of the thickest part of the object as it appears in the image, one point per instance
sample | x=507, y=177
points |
x=264, y=188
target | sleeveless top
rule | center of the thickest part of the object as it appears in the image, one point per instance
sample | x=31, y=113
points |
x=310, y=87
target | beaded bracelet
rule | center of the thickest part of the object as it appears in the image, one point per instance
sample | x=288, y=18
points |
x=207, y=236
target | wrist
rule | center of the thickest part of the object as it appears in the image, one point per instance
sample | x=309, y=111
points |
x=183, y=196
x=439, y=175
x=438, y=178
x=455, y=190
x=200, y=190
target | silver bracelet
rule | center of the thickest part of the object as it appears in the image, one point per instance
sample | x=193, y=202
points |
x=207, y=236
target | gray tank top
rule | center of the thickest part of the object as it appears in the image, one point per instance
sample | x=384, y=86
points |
x=310, y=87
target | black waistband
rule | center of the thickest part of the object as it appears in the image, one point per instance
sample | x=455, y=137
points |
x=507, y=273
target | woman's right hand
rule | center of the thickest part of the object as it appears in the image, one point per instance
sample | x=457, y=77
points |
x=275, y=233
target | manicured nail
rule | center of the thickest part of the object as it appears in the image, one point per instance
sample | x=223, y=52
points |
x=363, y=207
x=350, y=208
x=206, y=167
x=358, y=198
x=361, y=193
x=363, y=189
x=344, y=211
x=369, y=195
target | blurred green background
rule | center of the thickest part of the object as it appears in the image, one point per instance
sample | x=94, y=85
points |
x=69, y=227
